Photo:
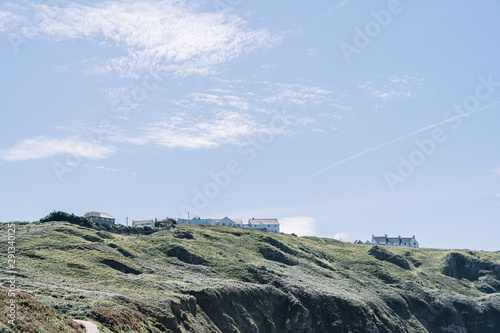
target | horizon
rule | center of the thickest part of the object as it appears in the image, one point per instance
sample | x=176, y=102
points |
x=340, y=119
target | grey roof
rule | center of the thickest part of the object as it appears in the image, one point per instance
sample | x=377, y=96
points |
x=98, y=214
x=393, y=240
x=263, y=221
x=225, y=218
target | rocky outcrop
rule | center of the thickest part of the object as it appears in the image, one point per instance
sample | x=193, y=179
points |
x=184, y=255
x=412, y=308
x=276, y=255
x=120, y=267
x=385, y=255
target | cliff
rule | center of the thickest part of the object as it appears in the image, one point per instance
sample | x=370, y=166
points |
x=227, y=279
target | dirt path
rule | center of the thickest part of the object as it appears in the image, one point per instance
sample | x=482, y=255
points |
x=90, y=327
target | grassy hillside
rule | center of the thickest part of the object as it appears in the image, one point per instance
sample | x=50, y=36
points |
x=226, y=279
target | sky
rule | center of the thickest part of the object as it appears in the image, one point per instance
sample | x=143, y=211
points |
x=342, y=119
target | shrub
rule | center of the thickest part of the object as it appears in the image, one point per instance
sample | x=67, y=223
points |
x=71, y=218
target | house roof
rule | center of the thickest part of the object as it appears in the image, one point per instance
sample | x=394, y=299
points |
x=225, y=219
x=98, y=214
x=263, y=221
x=393, y=240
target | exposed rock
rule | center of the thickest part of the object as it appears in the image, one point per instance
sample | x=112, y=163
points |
x=276, y=255
x=91, y=238
x=125, y=253
x=183, y=234
x=120, y=267
x=488, y=284
x=276, y=243
x=184, y=255
x=459, y=266
x=384, y=255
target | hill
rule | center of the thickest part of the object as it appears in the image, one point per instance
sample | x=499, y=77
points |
x=226, y=279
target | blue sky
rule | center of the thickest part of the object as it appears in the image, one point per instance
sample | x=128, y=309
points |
x=341, y=118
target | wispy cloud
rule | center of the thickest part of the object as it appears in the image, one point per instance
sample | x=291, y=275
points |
x=331, y=11
x=167, y=35
x=43, y=147
x=221, y=98
x=497, y=194
x=299, y=225
x=101, y=167
x=393, y=87
x=183, y=132
x=312, y=52
x=296, y=94
x=226, y=115
x=235, y=111
x=366, y=151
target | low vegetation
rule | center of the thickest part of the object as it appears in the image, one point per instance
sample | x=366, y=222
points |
x=227, y=279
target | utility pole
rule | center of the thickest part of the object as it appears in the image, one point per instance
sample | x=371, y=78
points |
x=188, y=215
x=127, y=221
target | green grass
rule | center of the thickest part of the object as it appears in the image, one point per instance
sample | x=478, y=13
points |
x=68, y=270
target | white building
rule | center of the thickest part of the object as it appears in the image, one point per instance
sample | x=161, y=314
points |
x=264, y=224
x=257, y=224
x=239, y=223
x=197, y=220
x=394, y=241
x=144, y=223
x=226, y=221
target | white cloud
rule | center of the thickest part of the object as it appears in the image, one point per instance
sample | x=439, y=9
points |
x=100, y=167
x=312, y=52
x=299, y=225
x=394, y=87
x=296, y=94
x=43, y=147
x=236, y=111
x=224, y=128
x=222, y=100
x=166, y=35
x=497, y=194
x=340, y=236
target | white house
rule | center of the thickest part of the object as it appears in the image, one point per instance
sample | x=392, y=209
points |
x=394, y=241
x=226, y=221
x=197, y=220
x=264, y=224
x=100, y=217
x=144, y=223
x=239, y=223
x=258, y=224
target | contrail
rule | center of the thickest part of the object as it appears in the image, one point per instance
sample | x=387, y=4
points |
x=386, y=144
